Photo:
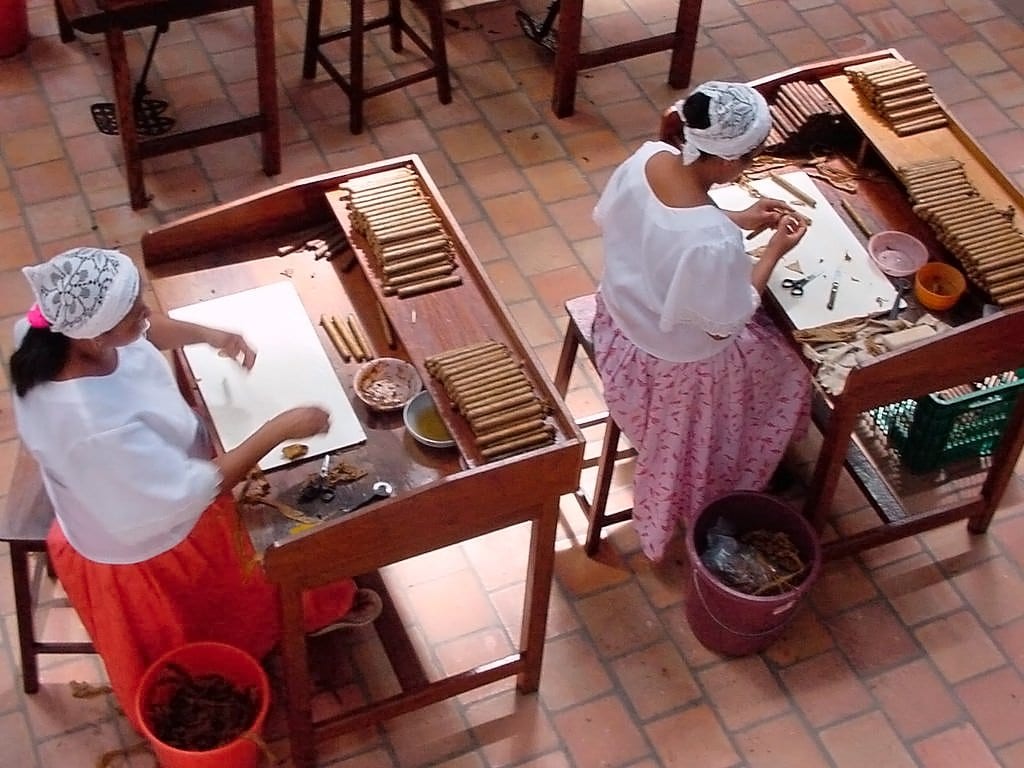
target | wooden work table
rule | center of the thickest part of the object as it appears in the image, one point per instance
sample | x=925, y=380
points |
x=442, y=497
x=974, y=349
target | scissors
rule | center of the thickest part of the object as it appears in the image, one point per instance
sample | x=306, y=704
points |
x=796, y=287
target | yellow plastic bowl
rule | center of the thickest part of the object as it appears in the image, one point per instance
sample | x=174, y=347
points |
x=939, y=286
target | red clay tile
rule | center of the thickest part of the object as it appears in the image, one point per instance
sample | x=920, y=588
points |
x=743, y=691
x=784, y=742
x=995, y=701
x=601, y=732
x=915, y=699
x=692, y=737
x=956, y=747
x=866, y=740
x=825, y=689
x=959, y=646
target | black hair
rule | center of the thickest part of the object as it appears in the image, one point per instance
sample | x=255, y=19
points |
x=41, y=356
x=695, y=110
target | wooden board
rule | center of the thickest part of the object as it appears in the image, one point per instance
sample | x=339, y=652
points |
x=863, y=288
x=291, y=369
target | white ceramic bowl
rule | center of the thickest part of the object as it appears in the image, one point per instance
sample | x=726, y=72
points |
x=424, y=423
x=897, y=253
x=386, y=384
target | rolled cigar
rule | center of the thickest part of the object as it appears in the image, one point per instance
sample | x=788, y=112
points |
x=899, y=91
x=471, y=391
x=429, y=285
x=365, y=349
x=402, y=266
x=506, y=433
x=782, y=119
x=1007, y=288
x=984, y=256
x=284, y=250
x=336, y=339
x=388, y=204
x=799, y=194
x=909, y=113
x=461, y=352
x=346, y=334
x=1001, y=275
x=402, y=218
x=919, y=126
x=414, y=247
x=857, y=218
x=1011, y=299
x=1004, y=261
x=357, y=191
x=483, y=397
x=406, y=278
x=900, y=102
x=496, y=400
x=522, y=443
x=986, y=240
x=990, y=227
x=398, y=235
x=512, y=416
x=513, y=402
x=477, y=365
x=385, y=324
x=379, y=177
x=488, y=370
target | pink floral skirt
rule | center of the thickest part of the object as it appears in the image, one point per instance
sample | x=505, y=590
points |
x=702, y=428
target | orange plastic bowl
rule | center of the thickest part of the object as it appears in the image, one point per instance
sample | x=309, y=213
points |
x=939, y=286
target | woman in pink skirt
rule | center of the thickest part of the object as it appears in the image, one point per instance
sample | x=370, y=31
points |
x=696, y=375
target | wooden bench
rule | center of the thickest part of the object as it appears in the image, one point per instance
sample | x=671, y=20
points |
x=25, y=521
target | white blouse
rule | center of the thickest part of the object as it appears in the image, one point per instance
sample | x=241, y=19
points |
x=672, y=276
x=124, y=459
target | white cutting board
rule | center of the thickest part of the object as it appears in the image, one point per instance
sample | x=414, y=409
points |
x=291, y=369
x=863, y=288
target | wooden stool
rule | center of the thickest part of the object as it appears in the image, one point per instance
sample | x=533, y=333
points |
x=24, y=523
x=112, y=18
x=353, y=85
x=580, y=333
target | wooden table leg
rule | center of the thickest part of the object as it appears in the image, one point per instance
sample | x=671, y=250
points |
x=539, y=578
x=122, y=77
x=23, y=611
x=567, y=55
x=266, y=78
x=298, y=682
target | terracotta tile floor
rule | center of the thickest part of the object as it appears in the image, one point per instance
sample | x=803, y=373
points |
x=912, y=654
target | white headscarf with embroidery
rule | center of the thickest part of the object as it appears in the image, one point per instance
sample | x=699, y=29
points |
x=84, y=292
x=739, y=122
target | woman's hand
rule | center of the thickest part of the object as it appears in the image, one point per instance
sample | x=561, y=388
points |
x=232, y=345
x=763, y=214
x=303, y=421
x=790, y=231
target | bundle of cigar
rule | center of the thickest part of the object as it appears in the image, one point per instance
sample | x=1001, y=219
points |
x=490, y=389
x=326, y=243
x=407, y=239
x=802, y=114
x=348, y=338
x=900, y=93
x=982, y=237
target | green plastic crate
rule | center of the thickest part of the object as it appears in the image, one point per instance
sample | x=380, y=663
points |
x=939, y=429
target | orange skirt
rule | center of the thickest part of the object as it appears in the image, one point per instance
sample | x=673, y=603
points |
x=207, y=588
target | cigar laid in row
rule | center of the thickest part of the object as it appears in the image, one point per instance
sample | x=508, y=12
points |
x=348, y=338
x=406, y=238
x=983, y=238
x=900, y=93
x=801, y=112
x=489, y=387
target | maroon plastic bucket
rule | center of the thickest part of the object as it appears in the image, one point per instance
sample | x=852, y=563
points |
x=726, y=620
x=13, y=27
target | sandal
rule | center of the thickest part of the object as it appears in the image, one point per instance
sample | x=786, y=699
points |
x=365, y=610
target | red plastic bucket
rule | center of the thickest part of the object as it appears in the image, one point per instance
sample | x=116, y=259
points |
x=726, y=620
x=238, y=668
x=13, y=27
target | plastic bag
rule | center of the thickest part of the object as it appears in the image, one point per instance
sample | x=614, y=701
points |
x=736, y=564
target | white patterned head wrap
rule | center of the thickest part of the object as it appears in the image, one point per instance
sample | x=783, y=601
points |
x=739, y=122
x=84, y=292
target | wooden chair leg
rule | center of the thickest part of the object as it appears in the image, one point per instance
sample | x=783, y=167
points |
x=355, y=78
x=23, y=610
x=67, y=32
x=435, y=18
x=687, y=22
x=566, y=360
x=602, y=485
x=266, y=76
x=122, y=77
x=309, y=54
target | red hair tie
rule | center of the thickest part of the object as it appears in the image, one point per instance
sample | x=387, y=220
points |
x=36, y=318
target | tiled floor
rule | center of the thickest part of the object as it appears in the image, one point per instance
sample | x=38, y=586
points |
x=911, y=654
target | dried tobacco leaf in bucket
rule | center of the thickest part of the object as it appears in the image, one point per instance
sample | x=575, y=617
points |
x=757, y=562
x=201, y=712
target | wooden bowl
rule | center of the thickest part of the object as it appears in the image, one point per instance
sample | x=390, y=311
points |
x=387, y=383
x=939, y=286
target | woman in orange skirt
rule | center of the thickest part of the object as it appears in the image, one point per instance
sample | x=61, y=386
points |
x=146, y=541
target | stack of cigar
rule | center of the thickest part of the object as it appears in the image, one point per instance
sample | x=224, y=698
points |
x=982, y=237
x=900, y=93
x=803, y=114
x=407, y=239
x=326, y=243
x=490, y=389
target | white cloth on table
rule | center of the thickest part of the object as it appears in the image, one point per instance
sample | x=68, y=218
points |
x=707, y=416
x=673, y=276
x=124, y=458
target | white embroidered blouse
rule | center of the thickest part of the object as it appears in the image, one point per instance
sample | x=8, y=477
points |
x=674, y=278
x=124, y=459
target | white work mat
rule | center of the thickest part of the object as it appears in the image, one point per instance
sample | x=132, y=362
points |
x=291, y=369
x=863, y=288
